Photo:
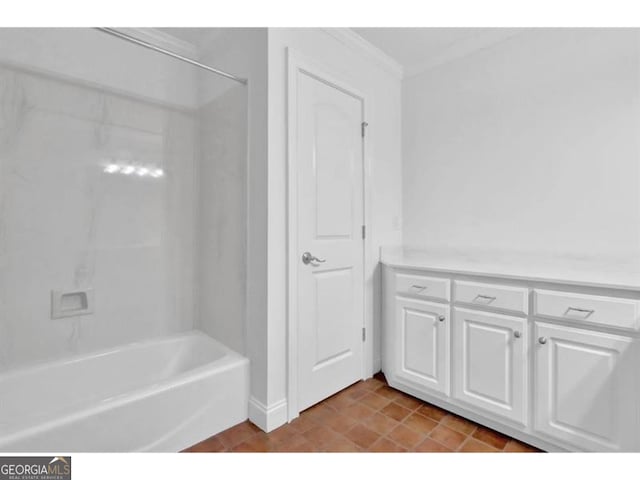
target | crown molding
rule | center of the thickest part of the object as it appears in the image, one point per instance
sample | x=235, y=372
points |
x=462, y=48
x=163, y=40
x=354, y=41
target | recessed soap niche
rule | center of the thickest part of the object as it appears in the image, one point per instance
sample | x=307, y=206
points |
x=71, y=303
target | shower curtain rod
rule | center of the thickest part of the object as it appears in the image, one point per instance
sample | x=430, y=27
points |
x=150, y=46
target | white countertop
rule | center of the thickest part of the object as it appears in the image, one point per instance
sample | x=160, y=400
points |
x=617, y=273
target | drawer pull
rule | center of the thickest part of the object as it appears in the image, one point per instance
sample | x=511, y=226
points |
x=419, y=288
x=584, y=311
x=486, y=299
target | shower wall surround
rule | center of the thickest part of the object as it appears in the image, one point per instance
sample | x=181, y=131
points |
x=223, y=218
x=99, y=190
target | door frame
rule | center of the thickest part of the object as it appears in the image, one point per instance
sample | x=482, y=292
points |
x=297, y=62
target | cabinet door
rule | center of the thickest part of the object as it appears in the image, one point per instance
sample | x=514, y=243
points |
x=490, y=362
x=422, y=344
x=585, y=388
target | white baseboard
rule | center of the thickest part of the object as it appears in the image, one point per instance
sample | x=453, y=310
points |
x=270, y=417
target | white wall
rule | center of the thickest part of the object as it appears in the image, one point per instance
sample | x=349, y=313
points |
x=383, y=154
x=530, y=145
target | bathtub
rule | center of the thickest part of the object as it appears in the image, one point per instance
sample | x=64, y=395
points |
x=161, y=395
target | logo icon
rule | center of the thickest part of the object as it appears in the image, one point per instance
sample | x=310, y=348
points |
x=35, y=468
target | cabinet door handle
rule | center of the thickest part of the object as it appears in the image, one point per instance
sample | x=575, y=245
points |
x=517, y=334
x=488, y=298
x=442, y=318
x=585, y=311
x=542, y=340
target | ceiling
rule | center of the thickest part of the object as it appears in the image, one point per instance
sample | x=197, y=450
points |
x=417, y=49
x=414, y=49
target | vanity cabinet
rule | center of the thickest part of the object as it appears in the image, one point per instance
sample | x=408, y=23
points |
x=586, y=387
x=422, y=336
x=552, y=364
x=490, y=362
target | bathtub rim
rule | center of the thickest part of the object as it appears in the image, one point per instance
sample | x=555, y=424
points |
x=230, y=360
x=103, y=352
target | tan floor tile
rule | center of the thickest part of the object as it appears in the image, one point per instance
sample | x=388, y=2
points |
x=297, y=443
x=373, y=384
x=212, y=444
x=257, y=443
x=368, y=416
x=238, y=434
x=519, y=447
x=282, y=433
x=340, y=423
x=302, y=424
x=362, y=436
x=388, y=392
x=405, y=437
x=420, y=423
x=473, y=445
x=340, y=400
x=431, y=411
x=395, y=411
x=356, y=394
x=491, y=437
x=449, y=438
x=386, y=445
x=430, y=445
x=357, y=411
x=459, y=424
x=380, y=423
x=409, y=402
x=320, y=435
x=319, y=413
x=341, y=444
x=375, y=401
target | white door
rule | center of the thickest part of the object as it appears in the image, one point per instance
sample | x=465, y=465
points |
x=586, y=388
x=490, y=362
x=422, y=336
x=329, y=160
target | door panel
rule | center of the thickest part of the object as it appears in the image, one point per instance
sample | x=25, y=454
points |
x=423, y=343
x=490, y=366
x=329, y=160
x=585, y=386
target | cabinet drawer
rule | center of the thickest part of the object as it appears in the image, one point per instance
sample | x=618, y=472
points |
x=606, y=311
x=422, y=286
x=499, y=297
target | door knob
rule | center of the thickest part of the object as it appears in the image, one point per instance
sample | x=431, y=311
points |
x=542, y=340
x=307, y=258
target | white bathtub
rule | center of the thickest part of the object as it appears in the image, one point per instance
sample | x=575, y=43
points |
x=159, y=395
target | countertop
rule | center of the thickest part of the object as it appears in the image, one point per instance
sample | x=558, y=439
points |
x=614, y=273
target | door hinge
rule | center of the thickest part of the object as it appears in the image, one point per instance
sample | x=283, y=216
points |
x=363, y=126
x=364, y=334
x=364, y=232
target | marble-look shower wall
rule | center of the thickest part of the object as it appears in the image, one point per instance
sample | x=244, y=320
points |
x=222, y=255
x=67, y=224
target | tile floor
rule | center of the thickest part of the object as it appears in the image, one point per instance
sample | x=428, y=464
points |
x=369, y=416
